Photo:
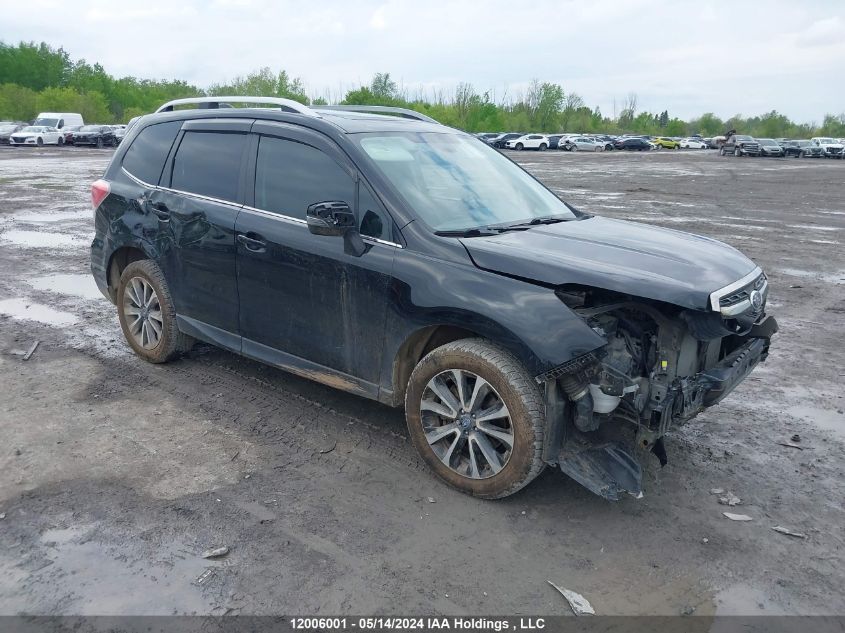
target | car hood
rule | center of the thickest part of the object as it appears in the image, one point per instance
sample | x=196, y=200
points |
x=627, y=257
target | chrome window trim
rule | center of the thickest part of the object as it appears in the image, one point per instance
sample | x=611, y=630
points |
x=179, y=191
x=269, y=214
x=716, y=295
x=288, y=218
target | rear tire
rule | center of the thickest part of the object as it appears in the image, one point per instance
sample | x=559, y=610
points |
x=99, y=143
x=147, y=314
x=456, y=446
x=543, y=147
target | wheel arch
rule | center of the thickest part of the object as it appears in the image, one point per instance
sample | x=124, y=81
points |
x=119, y=259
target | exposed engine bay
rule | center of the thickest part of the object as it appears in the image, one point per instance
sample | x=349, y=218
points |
x=661, y=366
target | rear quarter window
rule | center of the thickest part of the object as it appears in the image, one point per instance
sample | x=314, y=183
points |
x=145, y=157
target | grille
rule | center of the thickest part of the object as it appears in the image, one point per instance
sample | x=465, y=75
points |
x=743, y=293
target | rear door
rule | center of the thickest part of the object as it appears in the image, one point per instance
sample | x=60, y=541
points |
x=196, y=206
x=304, y=303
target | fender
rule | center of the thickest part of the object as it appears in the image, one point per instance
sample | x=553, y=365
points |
x=528, y=320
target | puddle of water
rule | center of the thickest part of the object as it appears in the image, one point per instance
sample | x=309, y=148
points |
x=60, y=216
x=23, y=309
x=832, y=278
x=826, y=419
x=37, y=239
x=745, y=600
x=82, y=286
x=108, y=581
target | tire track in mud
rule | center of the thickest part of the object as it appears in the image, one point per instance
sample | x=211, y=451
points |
x=296, y=427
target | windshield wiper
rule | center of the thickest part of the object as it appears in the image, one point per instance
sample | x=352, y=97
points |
x=522, y=226
x=473, y=232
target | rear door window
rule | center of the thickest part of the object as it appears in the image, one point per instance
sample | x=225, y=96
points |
x=148, y=152
x=209, y=164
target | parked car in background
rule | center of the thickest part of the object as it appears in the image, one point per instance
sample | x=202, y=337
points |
x=119, y=132
x=740, y=145
x=7, y=128
x=770, y=147
x=58, y=120
x=665, y=142
x=484, y=136
x=802, y=149
x=554, y=140
x=528, y=141
x=632, y=144
x=96, y=135
x=499, y=141
x=606, y=140
x=582, y=143
x=693, y=143
x=67, y=133
x=36, y=135
x=830, y=146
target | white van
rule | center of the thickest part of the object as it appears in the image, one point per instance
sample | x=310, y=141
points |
x=59, y=120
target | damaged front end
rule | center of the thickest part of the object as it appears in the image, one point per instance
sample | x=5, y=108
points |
x=661, y=366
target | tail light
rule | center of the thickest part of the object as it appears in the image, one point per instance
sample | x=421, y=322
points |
x=99, y=190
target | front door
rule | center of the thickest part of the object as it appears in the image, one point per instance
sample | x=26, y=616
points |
x=304, y=303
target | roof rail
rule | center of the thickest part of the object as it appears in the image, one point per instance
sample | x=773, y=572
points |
x=288, y=105
x=377, y=109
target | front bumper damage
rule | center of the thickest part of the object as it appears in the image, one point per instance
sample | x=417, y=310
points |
x=608, y=461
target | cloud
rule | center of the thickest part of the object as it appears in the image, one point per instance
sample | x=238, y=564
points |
x=378, y=20
x=721, y=56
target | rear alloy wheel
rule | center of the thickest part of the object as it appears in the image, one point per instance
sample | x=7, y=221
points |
x=543, y=147
x=146, y=313
x=476, y=417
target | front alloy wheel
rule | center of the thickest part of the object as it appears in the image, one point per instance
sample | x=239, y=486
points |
x=467, y=424
x=476, y=416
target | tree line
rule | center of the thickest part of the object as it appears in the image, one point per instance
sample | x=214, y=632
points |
x=39, y=78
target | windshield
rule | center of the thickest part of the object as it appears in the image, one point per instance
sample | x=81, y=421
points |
x=804, y=144
x=743, y=138
x=46, y=122
x=826, y=141
x=7, y=128
x=454, y=182
x=32, y=128
x=767, y=141
x=90, y=128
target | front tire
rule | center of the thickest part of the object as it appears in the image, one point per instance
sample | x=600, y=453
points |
x=39, y=141
x=476, y=417
x=520, y=147
x=147, y=314
x=737, y=151
x=99, y=143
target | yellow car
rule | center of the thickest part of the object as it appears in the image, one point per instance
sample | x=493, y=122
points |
x=665, y=143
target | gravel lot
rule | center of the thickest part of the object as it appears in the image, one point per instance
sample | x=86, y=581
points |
x=115, y=474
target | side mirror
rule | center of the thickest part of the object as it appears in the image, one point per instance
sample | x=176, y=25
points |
x=336, y=218
x=329, y=218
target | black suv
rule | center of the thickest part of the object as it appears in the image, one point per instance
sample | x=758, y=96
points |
x=410, y=263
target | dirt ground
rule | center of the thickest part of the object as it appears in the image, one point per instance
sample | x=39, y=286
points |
x=115, y=474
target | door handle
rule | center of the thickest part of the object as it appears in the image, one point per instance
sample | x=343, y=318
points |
x=252, y=244
x=160, y=210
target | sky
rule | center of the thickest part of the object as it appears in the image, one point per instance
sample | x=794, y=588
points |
x=688, y=57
